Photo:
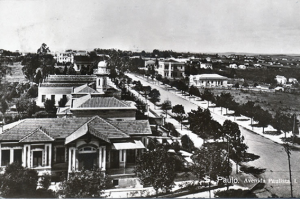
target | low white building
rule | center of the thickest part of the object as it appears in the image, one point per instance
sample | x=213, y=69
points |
x=206, y=65
x=232, y=66
x=208, y=80
x=293, y=80
x=242, y=67
x=280, y=79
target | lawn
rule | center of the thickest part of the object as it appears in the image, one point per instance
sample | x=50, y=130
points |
x=285, y=102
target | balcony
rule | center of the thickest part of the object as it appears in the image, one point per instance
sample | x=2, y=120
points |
x=101, y=71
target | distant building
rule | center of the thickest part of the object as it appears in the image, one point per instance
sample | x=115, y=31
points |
x=293, y=80
x=170, y=68
x=280, y=79
x=56, y=87
x=208, y=80
x=234, y=66
x=242, y=67
x=206, y=65
x=65, y=57
x=82, y=62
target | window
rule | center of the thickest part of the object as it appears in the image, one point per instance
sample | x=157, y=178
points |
x=53, y=97
x=5, y=157
x=60, y=154
x=37, y=158
x=18, y=156
x=43, y=98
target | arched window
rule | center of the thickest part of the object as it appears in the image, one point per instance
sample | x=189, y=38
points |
x=88, y=149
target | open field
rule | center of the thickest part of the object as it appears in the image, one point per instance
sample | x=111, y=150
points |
x=285, y=102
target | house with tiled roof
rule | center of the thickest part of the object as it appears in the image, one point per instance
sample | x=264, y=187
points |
x=57, y=145
x=94, y=104
x=56, y=87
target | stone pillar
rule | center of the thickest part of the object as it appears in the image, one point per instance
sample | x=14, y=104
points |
x=50, y=154
x=11, y=156
x=46, y=159
x=70, y=160
x=0, y=154
x=104, y=158
x=28, y=156
x=74, y=160
x=100, y=157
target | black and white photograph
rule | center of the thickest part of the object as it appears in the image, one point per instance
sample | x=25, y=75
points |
x=149, y=98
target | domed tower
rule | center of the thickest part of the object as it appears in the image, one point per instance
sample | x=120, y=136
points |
x=102, y=75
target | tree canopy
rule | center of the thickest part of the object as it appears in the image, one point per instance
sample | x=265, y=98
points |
x=156, y=168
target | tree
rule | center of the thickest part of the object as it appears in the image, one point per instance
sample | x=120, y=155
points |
x=187, y=143
x=38, y=77
x=208, y=95
x=237, y=85
x=201, y=123
x=154, y=96
x=156, y=168
x=237, y=146
x=4, y=107
x=50, y=106
x=44, y=49
x=166, y=105
x=264, y=118
x=245, y=85
x=62, y=102
x=84, y=184
x=179, y=111
x=18, y=181
x=210, y=161
x=194, y=91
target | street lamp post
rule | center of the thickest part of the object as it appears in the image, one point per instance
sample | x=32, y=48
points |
x=228, y=166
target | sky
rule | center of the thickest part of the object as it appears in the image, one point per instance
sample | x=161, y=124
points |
x=216, y=26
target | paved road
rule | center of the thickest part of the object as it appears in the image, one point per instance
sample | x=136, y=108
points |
x=272, y=155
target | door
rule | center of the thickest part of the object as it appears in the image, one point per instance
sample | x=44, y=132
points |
x=115, y=159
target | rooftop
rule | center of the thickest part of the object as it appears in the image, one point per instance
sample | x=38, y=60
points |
x=49, y=129
x=208, y=76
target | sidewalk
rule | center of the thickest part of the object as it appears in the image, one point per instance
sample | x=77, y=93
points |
x=242, y=121
x=196, y=139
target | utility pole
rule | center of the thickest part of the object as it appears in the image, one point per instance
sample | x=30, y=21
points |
x=287, y=149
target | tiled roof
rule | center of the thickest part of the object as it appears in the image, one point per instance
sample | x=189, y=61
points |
x=84, y=89
x=104, y=128
x=95, y=102
x=60, y=84
x=133, y=127
x=38, y=135
x=49, y=129
x=70, y=78
x=55, y=127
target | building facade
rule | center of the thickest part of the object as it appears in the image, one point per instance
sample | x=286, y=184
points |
x=208, y=80
x=170, y=68
x=56, y=145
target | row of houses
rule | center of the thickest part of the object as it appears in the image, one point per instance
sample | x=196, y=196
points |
x=94, y=129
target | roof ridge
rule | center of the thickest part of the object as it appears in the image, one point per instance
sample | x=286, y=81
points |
x=23, y=120
x=83, y=123
x=114, y=126
x=34, y=131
